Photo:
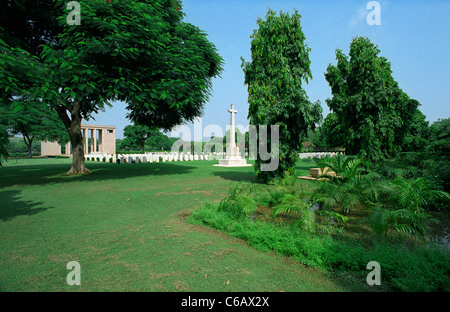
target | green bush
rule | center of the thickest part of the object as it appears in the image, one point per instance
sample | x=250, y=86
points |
x=402, y=269
x=412, y=158
x=240, y=202
x=384, y=171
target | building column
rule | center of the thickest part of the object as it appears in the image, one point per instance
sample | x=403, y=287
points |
x=93, y=141
x=86, y=141
x=68, y=148
x=101, y=145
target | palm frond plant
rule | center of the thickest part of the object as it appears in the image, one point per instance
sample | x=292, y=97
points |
x=401, y=207
x=342, y=195
x=273, y=193
x=301, y=207
x=401, y=221
x=346, y=168
x=334, y=216
x=240, y=201
x=416, y=194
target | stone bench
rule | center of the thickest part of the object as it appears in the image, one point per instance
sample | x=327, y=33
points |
x=316, y=172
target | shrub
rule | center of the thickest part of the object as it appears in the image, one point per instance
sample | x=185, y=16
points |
x=240, y=202
x=413, y=269
x=384, y=171
x=412, y=158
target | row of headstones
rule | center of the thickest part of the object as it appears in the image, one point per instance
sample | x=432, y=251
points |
x=145, y=158
x=319, y=155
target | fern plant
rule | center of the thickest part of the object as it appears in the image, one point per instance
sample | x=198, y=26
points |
x=346, y=168
x=402, y=221
x=416, y=194
x=240, y=201
x=274, y=192
x=293, y=203
x=344, y=195
x=335, y=216
x=401, y=207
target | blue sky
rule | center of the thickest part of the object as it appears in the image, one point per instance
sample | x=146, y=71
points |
x=414, y=36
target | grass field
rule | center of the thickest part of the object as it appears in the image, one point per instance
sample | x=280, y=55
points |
x=125, y=225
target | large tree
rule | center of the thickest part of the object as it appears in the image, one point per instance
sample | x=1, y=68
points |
x=274, y=76
x=331, y=133
x=138, y=52
x=370, y=110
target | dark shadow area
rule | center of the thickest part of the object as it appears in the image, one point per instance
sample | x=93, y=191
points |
x=238, y=176
x=12, y=206
x=56, y=173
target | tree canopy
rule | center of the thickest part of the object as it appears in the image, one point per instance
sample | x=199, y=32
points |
x=37, y=122
x=274, y=76
x=370, y=110
x=138, y=52
x=139, y=136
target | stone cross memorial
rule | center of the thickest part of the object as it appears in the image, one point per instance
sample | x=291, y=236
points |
x=232, y=157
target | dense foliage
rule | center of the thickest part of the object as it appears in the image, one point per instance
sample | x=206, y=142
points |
x=138, y=52
x=37, y=122
x=341, y=223
x=140, y=137
x=375, y=117
x=274, y=76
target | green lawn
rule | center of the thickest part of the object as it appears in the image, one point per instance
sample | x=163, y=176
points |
x=125, y=225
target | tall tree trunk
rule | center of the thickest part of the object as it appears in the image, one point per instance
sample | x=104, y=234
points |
x=73, y=125
x=76, y=139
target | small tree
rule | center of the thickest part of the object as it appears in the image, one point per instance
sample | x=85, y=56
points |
x=280, y=63
x=135, y=136
x=159, y=141
x=139, y=136
x=38, y=122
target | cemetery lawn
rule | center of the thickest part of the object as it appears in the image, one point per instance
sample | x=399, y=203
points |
x=126, y=226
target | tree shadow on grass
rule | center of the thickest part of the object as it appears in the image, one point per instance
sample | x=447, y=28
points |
x=236, y=175
x=56, y=173
x=248, y=175
x=12, y=205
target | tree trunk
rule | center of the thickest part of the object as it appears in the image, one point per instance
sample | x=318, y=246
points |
x=76, y=140
x=30, y=154
x=73, y=125
x=28, y=142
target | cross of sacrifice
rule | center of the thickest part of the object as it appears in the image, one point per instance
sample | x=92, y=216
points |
x=232, y=111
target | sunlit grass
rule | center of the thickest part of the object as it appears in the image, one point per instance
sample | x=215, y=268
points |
x=125, y=225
